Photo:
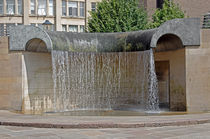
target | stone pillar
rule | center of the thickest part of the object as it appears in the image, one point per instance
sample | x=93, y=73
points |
x=151, y=7
x=78, y=8
x=58, y=14
x=26, y=5
x=67, y=9
x=16, y=6
x=47, y=8
x=5, y=5
x=36, y=7
x=86, y=13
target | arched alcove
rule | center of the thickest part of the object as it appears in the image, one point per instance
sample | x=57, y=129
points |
x=36, y=45
x=170, y=70
x=168, y=42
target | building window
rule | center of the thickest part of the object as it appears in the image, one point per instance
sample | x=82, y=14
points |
x=42, y=7
x=82, y=28
x=73, y=8
x=1, y=7
x=20, y=7
x=51, y=7
x=82, y=9
x=93, y=6
x=32, y=9
x=160, y=4
x=73, y=28
x=10, y=6
x=64, y=7
x=64, y=28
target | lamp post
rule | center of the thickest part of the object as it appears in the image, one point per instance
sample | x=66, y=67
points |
x=47, y=25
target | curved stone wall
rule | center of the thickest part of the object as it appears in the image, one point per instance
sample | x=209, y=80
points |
x=102, y=42
x=188, y=30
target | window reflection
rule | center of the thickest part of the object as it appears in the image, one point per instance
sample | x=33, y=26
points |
x=10, y=6
x=51, y=11
x=42, y=7
x=73, y=9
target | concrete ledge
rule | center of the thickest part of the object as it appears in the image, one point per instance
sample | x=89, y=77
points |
x=82, y=122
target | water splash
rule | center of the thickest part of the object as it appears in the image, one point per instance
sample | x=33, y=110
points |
x=104, y=81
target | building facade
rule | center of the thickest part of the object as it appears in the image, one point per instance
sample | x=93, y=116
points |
x=192, y=8
x=65, y=15
x=71, y=15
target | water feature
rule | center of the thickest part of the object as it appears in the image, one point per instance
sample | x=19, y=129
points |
x=104, y=81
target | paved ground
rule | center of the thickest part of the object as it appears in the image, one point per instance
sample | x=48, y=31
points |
x=170, y=132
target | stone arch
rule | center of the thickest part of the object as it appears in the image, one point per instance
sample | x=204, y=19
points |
x=168, y=42
x=23, y=38
x=187, y=30
x=36, y=45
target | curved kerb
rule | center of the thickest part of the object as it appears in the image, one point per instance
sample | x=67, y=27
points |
x=188, y=30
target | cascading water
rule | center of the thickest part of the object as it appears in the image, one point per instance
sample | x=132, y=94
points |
x=153, y=98
x=104, y=81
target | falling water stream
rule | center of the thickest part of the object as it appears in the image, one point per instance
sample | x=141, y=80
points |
x=104, y=81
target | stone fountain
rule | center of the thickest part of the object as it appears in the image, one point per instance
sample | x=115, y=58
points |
x=63, y=71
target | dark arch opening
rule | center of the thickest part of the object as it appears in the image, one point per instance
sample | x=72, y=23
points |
x=168, y=42
x=36, y=45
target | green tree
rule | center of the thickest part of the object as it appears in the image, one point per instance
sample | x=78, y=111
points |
x=117, y=16
x=169, y=11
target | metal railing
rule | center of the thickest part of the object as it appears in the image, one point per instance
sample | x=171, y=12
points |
x=206, y=21
x=4, y=29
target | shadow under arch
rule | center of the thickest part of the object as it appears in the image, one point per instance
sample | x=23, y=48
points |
x=169, y=42
x=36, y=45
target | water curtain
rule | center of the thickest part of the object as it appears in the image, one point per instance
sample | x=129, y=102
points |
x=104, y=81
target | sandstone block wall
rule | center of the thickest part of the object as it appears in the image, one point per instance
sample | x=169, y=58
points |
x=189, y=75
x=10, y=77
x=192, y=8
x=198, y=75
x=37, y=82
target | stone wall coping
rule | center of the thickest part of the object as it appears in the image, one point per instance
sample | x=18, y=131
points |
x=187, y=29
